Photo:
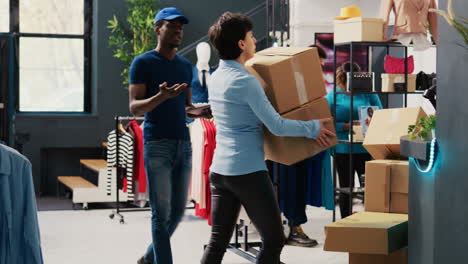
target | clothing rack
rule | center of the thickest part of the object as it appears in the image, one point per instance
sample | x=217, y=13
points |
x=118, y=175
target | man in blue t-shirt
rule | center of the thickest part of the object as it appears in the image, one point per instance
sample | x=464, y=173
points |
x=159, y=89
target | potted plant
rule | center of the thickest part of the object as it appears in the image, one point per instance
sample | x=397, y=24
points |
x=416, y=143
x=134, y=35
x=424, y=128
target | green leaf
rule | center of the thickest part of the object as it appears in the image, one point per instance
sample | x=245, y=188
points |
x=423, y=134
x=134, y=34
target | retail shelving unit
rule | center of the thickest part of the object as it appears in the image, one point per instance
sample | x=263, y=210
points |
x=353, y=192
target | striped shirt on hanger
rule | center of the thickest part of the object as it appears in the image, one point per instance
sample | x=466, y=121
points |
x=125, y=160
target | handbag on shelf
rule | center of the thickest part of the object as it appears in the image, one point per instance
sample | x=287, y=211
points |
x=362, y=81
x=397, y=65
x=424, y=80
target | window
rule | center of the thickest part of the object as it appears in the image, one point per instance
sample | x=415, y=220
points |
x=52, y=16
x=51, y=75
x=53, y=55
x=4, y=16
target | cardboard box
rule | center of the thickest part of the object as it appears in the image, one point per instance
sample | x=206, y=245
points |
x=292, y=76
x=388, y=81
x=387, y=186
x=399, y=203
x=290, y=150
x=398, y=257
x=358, y=135
x=358, y=29
x=368, y=233
x=382, y=139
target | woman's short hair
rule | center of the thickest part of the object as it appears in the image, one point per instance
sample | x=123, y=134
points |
x=341, y=78
x=226, y=32
x=321, y=52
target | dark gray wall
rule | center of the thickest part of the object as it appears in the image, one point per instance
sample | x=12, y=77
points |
x=451, y=182
x=70, y=133
x=108, y=99
x=438, y=201
x=203, y=13
x=421, y=217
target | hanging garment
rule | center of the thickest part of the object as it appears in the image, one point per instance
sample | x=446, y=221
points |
x=141, y=196
x=19, y=229
x=203, y=208
x=419, y=40
x=411, y=16
x=197, y=137
x=314, y=180
x=328, y=196
x=200, y=81
x=125, y=161
x=308, y=182
x=139, y=173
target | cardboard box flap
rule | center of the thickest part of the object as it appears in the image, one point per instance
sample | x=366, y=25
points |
x=283, y=51
x=388, y=125
x=359, y=19
x=386, y=129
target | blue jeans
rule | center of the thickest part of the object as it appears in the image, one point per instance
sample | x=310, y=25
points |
x=168, y=165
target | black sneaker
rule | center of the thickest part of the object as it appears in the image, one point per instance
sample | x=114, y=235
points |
x=142, y=260
x=298, y=238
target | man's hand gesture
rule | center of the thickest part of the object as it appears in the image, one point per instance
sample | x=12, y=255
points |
x=173, y=91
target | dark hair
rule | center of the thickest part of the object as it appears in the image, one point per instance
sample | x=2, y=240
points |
x=226, y=32
x=341, y=71
x=321, y=52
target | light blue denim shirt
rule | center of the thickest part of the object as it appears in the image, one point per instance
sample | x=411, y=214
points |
x=19, y=228
x=240, y=108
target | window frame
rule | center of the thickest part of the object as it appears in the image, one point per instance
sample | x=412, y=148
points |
x=86, y=36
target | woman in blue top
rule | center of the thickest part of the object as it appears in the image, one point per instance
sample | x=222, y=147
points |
x=238, y=174
x=360, y=155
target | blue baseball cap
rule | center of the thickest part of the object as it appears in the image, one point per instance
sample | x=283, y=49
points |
x=169, y=13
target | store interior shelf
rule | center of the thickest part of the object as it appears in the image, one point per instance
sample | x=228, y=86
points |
x=359, y=192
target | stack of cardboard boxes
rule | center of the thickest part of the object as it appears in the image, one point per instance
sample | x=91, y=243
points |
x=380, y=234
x=293, y=82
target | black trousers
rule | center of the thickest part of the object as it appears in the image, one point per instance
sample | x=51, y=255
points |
x=342, y=166
x=255, y=192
